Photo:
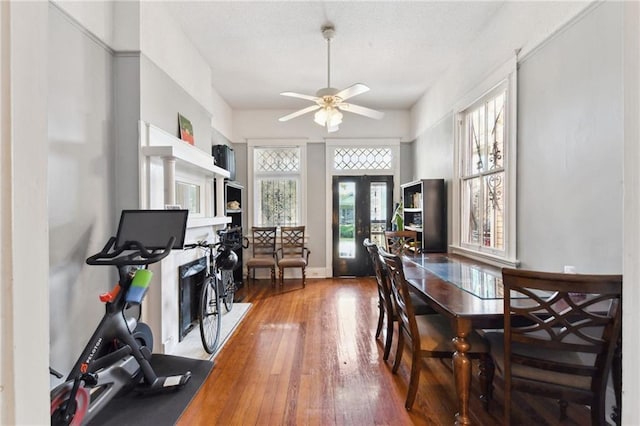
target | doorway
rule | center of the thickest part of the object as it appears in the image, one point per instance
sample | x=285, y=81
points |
x=362, y=208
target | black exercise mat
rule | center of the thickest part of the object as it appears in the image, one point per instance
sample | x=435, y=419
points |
x=161, y=408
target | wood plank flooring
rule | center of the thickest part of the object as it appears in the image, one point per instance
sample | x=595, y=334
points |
x=309, y=357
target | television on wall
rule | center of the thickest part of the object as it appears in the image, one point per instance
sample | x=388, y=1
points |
x=225, y=158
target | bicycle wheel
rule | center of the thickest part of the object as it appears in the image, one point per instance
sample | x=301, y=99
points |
x=210, y=316
x=229, y=289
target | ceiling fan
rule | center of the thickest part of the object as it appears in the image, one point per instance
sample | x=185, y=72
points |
x=329, y=102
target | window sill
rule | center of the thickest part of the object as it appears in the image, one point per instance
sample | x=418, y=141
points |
x=494, y=260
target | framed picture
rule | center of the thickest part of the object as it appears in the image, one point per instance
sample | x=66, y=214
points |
x=186, y=129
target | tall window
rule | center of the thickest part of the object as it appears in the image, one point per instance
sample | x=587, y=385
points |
x=277, y=185
x=485, y=175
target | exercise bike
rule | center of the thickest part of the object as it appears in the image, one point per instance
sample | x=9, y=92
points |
x=118, y=353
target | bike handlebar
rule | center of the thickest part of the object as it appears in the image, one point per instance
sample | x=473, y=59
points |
x=224, y=242
x=108, y=257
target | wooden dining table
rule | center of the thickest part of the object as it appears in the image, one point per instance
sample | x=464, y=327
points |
x=470, y=294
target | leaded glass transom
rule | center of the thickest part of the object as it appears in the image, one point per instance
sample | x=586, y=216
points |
x=277, y=160
x=362, y=159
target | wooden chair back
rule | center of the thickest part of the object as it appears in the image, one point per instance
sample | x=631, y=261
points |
x=292, y=252
x=264, y=241
x=402, y=242
x=564, y=348
x=401, y=296
x=385, y=302
x=292, y=241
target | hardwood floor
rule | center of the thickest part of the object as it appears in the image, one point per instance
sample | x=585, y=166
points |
x=309, y=357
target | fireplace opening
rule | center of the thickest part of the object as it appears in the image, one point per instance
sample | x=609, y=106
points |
x=190, y=279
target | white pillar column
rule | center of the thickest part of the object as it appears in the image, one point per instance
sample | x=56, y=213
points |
x=169, y=164
x=220, y=207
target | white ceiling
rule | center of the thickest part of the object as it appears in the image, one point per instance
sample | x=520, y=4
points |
x=398, y=48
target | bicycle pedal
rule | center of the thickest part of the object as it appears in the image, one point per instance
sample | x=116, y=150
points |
x=176, y=381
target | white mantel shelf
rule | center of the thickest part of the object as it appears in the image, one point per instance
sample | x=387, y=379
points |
x=174, y=153
x=162, y=144
x=187, y=154
x=198, y=222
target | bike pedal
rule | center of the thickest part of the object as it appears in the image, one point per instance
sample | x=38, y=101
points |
x=176, y=381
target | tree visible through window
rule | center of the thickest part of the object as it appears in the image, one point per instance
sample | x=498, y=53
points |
x=277, y=182
x=483, y=173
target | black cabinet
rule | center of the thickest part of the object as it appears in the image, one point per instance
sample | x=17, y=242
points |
x=233, y=209
x=425, y=211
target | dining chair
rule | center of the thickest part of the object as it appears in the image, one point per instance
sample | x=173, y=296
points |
x=263, y=248
x=565, y=346
x=402, y=242
x=385, y=299
x=430, y=336
x=292, y=252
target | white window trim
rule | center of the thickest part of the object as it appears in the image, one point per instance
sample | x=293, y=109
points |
x=504, y=75
x=330, y=172
x=275, y=143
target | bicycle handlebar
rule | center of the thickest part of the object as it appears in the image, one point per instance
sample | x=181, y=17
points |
x=224, y=241
x=108, y=257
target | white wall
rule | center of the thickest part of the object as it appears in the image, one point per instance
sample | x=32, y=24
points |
x=24, y=304
x=166, y=45
x=489, y=51
x=569, y=129
x=631, y=344
x=255, y=124
x=570, y=148
x=81, y=183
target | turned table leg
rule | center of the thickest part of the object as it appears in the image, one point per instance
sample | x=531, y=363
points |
x=462, y=370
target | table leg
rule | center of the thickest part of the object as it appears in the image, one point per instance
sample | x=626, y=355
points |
x=462, y=370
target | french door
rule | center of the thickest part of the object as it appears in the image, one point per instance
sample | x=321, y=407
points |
x=362, y=208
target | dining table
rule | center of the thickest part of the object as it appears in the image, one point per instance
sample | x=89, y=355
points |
x=467, y=292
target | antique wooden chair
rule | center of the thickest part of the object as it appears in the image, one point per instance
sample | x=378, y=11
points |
x=402, y=242
x=292, y=252
x=264, y=251
x=565, y=347
x=430, y=336
x=385, y=299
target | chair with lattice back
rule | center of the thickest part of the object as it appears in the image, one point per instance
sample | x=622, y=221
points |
x=264, y=251
x=402, y=242
x=430, y=336
x=564, y=345
x=292, y=252
x=385, y=299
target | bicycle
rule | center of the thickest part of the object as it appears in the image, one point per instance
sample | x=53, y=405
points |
x=219, y=285
x=118, y=353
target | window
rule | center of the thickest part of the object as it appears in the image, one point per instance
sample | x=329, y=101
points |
x=362, y=158
x=484, y=187
x=277, y=178
x=483, y=177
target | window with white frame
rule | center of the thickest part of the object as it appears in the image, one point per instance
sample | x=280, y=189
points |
x=486, y=175
x=277, y=179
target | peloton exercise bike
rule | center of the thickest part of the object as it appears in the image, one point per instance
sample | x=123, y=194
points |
x=117, y=355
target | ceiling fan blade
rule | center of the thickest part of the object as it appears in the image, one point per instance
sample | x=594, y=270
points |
x=357, y=109
x=352, y=91
x=301, y=96
x=299, y=113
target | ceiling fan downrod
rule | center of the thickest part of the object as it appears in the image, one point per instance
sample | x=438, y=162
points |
x=328, y=31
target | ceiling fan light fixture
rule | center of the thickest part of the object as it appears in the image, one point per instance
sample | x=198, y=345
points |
x=334, y=118
x=328, y=116
x=320, y=117
x=329, y=100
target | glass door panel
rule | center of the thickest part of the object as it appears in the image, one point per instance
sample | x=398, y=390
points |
x=362, y=207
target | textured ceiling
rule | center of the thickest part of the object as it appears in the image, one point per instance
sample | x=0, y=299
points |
x=258, y=49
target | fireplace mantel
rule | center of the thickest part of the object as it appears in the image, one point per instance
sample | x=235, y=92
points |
x=164, y=159
x=157, y=145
